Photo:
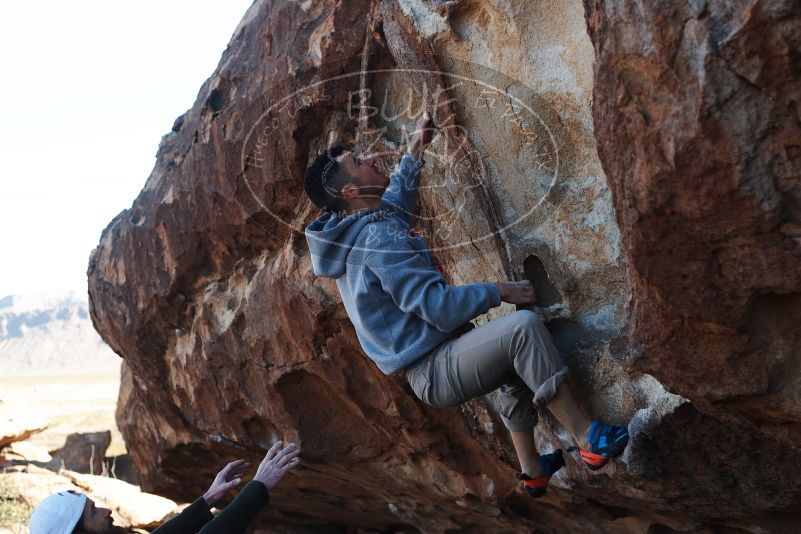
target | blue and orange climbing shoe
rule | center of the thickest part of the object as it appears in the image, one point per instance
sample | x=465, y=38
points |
x=549, y=464
x=606, y=441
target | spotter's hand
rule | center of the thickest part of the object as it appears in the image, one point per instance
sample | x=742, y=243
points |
x=228, y=478
x=278, y=461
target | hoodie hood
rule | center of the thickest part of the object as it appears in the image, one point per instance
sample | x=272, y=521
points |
x=332, y=237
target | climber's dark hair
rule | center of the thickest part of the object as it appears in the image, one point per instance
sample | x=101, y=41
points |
x=325, y=178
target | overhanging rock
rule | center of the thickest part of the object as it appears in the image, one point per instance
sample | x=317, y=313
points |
x=668, y=266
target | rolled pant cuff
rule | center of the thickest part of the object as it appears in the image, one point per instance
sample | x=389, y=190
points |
x=548, y=388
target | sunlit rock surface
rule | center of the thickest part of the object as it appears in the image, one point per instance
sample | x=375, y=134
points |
x=639, y=164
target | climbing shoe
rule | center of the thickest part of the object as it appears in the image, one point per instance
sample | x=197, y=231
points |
x=606, y=441
x=549, y=464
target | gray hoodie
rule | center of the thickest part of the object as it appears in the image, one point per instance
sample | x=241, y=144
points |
x=399, y=304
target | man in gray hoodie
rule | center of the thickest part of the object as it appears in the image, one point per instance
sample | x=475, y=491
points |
x=409, y=319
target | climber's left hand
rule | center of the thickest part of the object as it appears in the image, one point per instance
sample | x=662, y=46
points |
x=423, y=135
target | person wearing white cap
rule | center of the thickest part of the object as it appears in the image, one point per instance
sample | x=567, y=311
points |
x=68, y=512
x=58, y=514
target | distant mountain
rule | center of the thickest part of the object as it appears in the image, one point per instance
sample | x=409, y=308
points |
x=51, y=334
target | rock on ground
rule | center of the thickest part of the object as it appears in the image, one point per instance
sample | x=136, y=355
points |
x=17, y=427
x=84, y=452
x=24, y=451
x=638, y=160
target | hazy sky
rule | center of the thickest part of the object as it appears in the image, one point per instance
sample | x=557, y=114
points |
x=87, y=89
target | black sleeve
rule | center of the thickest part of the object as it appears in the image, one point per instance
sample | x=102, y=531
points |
x=238, y=515
x=190, y=520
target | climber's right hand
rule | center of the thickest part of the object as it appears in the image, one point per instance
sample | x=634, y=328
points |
x=516, y=292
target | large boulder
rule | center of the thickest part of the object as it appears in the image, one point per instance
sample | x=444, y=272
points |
x=638, y=161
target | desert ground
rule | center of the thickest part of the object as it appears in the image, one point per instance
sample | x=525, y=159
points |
x=69, y=403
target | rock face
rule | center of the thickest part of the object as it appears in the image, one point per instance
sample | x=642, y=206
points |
x=698, y=126
x=639, y=162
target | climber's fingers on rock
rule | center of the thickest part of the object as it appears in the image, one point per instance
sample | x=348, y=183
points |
x=528, y=290
x=521, y=292
x=425, y=128
x=424, y=120
x=528, y=294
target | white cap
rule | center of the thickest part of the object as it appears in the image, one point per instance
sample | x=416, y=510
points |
x=58, y=514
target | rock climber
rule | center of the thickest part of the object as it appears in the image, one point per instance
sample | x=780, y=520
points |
x=68, y=512
x=409, y=320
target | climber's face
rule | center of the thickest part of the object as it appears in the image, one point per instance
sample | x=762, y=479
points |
x=364, y=181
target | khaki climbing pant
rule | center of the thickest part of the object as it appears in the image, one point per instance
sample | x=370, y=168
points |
x=514, y=354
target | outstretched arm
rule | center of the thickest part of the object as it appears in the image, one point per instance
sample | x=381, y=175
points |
x=416, y=287
x=238, y=515
x=193, y=517
x=402, y=192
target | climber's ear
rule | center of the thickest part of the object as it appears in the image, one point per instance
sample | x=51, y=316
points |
x=350, y=190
